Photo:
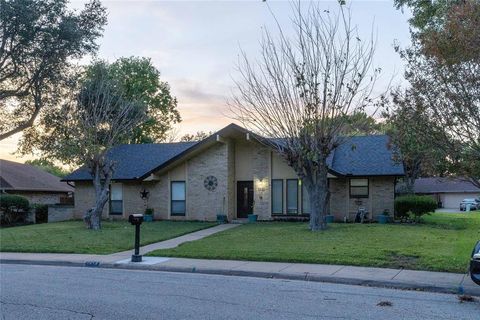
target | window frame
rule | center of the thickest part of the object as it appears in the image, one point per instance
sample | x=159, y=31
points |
x=282, y=195
x=353, y=196
x=286, y=198
x=178, y=214
x=110, y=212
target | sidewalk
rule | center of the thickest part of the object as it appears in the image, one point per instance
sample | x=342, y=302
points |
x=378, y=277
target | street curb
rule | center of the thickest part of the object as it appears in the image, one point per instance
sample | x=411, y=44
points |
x=254, y=274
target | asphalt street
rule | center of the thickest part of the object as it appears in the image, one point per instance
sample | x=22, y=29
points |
x=52, y=292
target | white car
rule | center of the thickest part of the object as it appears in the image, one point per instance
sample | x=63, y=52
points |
x=474, y=204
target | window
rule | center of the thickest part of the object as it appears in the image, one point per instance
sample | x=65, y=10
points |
x=277, y=196
x=358, y=188
x=305, y=200
x=178, y=198
x=116, y=199
x=292, y=196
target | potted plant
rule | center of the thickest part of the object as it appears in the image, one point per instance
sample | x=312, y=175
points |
x=148, y=217
x=221, y=218
x=383, y=218
x=252, y=217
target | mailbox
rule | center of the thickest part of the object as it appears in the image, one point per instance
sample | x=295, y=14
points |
x=136, y=220
x=475, y=264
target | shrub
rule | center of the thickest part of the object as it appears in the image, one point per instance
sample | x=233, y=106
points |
x=417, y=206
x=14, y=209
x=41, y=213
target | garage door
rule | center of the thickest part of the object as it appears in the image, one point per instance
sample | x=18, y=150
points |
x=452, y=200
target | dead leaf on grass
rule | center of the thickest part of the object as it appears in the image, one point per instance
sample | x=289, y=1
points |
x=384, y=304
x=465, y=298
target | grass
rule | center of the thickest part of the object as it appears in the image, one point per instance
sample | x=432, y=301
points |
x=73, y=237
x=443, y=242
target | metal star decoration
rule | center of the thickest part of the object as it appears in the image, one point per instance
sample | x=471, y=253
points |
x=144, y=194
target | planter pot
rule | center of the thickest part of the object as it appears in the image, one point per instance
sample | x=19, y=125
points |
x=148, y=218
x=221, y=218
x=329, y=218
x=252, y=217
x=382, y=219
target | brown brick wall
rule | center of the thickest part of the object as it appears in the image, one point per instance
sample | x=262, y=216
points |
x=85, y=199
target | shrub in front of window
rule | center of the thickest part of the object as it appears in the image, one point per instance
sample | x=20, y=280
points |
x=414, y=206
x=13, y=209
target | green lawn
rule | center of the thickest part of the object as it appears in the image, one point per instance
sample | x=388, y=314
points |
x=72, y=237
x=443, y=242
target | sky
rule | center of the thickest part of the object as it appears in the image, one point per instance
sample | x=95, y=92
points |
x=196, y=44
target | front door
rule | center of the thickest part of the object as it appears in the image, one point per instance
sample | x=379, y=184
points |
x=244, y=198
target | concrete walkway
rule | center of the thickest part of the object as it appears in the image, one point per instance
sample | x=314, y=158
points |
x=175, y=242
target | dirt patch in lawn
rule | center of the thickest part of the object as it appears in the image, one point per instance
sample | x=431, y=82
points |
x=403, y=261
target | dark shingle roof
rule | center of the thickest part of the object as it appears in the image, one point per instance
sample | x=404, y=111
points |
x=358, y=156
x=134, y=160
x=24, y=177
x=443, y=185
x=366, y=156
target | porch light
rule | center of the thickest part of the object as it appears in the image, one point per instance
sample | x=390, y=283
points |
x=262, y=184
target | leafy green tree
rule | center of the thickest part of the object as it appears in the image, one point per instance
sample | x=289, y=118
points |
x=360, y=123
x=81, y=131
x=198, y=136
x=39, y=39
x=140, y=81
x=448, y=30
x=443, y=69
x=411, y=131
x=427, y=14
x=48, y=166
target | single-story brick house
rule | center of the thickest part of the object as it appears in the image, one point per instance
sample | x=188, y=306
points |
x=232, y=173
x=38, y=186
x=447, y=191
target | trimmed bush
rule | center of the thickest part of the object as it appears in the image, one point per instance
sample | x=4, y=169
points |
x=416, y=206
x=13, y=208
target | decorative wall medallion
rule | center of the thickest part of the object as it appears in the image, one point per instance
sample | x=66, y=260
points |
x=210, y=183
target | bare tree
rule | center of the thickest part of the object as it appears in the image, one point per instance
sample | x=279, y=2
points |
x=300, y=90
x=83, y=131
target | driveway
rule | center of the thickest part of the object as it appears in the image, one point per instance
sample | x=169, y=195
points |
x=50, y=292
x=445, y=210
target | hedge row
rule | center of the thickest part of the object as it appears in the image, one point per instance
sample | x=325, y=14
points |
x=13, y=209
x=417, y=206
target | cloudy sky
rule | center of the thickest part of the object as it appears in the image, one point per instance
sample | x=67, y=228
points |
x=195, y=45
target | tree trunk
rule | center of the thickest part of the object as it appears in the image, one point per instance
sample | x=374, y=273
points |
x=93, y=218
x=102, y=191
x=317, y=187
x=410, y=185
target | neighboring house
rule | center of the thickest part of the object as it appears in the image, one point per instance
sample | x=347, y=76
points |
x=448, y=192
x=232, y=173
x=38, y=186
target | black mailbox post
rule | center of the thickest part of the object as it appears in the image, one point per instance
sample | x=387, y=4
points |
x=136, y=220
x=475, y=264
